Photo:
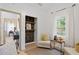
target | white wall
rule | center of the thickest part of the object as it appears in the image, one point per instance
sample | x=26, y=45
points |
x=76, y=23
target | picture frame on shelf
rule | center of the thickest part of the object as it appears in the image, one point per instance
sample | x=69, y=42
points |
x=28, y=26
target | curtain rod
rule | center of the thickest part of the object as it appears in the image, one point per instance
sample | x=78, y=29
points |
x=60, y=9
x=65, y=8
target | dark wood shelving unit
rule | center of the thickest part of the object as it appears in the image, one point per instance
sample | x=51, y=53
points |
x=30, y=22
x=29, y=33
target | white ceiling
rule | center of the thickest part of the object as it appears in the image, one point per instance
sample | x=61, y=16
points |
x=42, y=6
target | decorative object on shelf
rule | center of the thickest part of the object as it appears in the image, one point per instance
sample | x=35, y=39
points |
x=28, y=26
x=77, y=47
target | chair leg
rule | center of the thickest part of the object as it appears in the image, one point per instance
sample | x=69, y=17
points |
x=50, y=46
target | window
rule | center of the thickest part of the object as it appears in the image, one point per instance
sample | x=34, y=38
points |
x=60, y=22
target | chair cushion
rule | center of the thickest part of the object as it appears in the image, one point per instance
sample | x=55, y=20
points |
x=45, y=44
x=44, y=37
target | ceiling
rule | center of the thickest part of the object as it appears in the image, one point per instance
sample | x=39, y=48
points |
x=42, y=6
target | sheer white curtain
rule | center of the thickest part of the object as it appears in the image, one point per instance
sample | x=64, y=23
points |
x=2, y=41
x=69, y=36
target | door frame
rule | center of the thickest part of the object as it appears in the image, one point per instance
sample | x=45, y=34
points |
x=35, y=27
x=10, y=11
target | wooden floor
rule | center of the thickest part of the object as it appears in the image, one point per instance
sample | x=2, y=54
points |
x=32, y=49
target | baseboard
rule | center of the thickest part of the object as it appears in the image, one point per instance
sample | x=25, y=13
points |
x=29, y=43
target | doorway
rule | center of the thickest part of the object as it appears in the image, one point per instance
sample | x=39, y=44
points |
x=9, y=20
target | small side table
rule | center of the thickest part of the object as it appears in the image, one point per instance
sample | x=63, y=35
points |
x=54, y=43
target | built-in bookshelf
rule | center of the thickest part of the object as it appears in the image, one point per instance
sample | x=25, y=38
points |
x=29, y=29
